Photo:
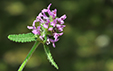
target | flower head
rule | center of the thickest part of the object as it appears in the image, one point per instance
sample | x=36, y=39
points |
x=49, y=27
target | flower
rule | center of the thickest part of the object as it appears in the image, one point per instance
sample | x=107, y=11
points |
x=50, y=27
x=35, y=30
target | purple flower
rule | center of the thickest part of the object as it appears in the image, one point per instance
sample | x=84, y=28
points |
x=53, y=13
x=63, y=17
x=46, y=10
x=60, y=20
x=54, y=22
x=53, y=41
x=56, y=35
x=35, y=30
x=60, y=27
x=46, y=25
x=50, y=28
x=42, y=37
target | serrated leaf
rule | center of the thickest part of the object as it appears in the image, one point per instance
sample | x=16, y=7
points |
x=22, y=37
x=49, y=56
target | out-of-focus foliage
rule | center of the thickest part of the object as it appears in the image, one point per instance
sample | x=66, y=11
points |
x=87, y=43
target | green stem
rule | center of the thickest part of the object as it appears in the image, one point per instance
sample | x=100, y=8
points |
x=28, y=56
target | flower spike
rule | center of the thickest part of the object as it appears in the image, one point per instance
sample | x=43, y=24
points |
x=48, y=26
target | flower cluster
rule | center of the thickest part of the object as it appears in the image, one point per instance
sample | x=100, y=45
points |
x=49, y=27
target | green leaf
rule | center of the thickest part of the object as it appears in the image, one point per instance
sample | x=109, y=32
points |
x=22, y=37
x=49, y=56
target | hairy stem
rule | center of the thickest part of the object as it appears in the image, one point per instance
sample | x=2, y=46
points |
x=28, y=56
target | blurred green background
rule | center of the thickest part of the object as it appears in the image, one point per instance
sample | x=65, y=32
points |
x=87, y=43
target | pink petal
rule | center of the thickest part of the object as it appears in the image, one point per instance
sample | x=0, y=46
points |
x=49, y=6
x=29, y=27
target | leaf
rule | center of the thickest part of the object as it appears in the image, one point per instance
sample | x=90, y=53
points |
x=49, y=56
x=22, y=37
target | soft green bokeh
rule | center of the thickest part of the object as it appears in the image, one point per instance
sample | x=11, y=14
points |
x=87, y=43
